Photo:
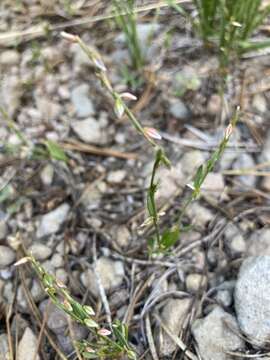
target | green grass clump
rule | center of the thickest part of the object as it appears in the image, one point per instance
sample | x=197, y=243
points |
x=125, y=18
x=229, y=25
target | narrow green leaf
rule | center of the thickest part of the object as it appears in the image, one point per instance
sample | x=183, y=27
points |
x=170, y=237
x=55, y=151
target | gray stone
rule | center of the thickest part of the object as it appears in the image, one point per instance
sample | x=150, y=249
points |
x=234, y=239
x=174, y=315
x=27, y=348
x=46, y=175
x=199, y=215
x=3, y=229
x=9, y=58
x=252, y=298
x=117, y=176
x=111, y=275
x=123, y=236
x=170, y=182
x=179, y=110
x=266, y=149
x=10, y=94
x=57, y=320
x=214, y=336
x=191, y=161
x=259, y=103
x=214, y=184
x=224, y=298
x=266, y=183
x=195, y=282
x=4, y=348
x=259, y=242
x=40, y=251
x=81, y=101
x=7, y=256
x=89, y=131
x=214, y=105
x=245, y=161
x=52, y=221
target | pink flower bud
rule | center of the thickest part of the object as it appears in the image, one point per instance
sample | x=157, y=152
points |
x=104, y=332
x=228, y=131
x=89, y=349
x=152, y=133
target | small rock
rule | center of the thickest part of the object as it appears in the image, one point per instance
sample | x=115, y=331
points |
x=81, y=101
x=266, y=148
x=28, y=346
x=199, y=215
x=234, y=239
x=78, y=331
x=9, y=57
x=40, y=251
x=259, y=242
x=122, y=236
x=224, y=298
x=89, y=131
x=111, y=275
x=259, y=103
x=214, y=184
x=57, y=260
x=7, y=256
x=3, y=229
x=179, y=110
x=46, y=175
x=171, y=182
x=191, y=161
x=57, y=320
x=266, y=183
x=214, y=105
x=195, y=282
x=174, y=315
x=245, y=161
x=214, y=336
x=4, y=347
x=51, y=222
x=11, y=92
x=252, y=298
x=49, y=110
x=117, y=176
x=37, y=291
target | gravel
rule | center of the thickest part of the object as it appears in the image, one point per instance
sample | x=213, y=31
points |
x=81, y=101
x=52, y=221
x=7, y=256
x=27, y=346
x=179, y=110
x=259, y=242
x=174, y=315
x=214, y=336
x=111, y=275
x=40, y=251
x=4, y=348
x=252, y=298
x=89, y=131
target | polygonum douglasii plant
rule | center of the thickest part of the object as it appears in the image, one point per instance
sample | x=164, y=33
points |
x=104, y=343
x=160, y=242
x=112, y=342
